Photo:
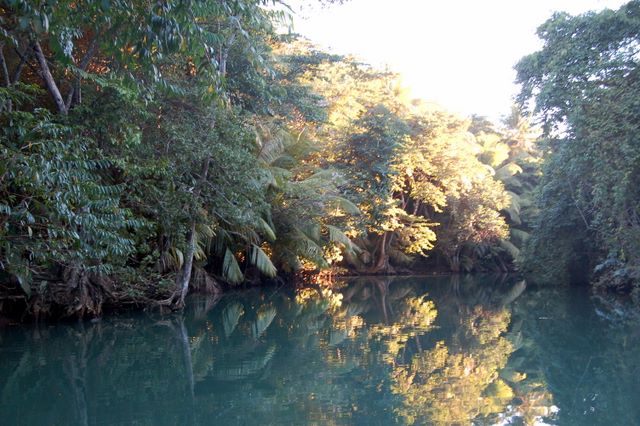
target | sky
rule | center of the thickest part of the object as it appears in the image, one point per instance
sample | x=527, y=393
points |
x=458, y=53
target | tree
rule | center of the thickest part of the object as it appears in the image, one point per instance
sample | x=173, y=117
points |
x=584, y=84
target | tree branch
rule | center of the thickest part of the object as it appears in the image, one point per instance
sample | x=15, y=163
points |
x=24, y=59
x=6, y=80
x=46, y=75
x=84, y=63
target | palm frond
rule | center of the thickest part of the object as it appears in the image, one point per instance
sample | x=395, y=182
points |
x=171, y=259
x=337, y=236
x=325, y=175
x=260, y=260
x=510, y=248
x=514, y=208
x=343, y=204
x=519, y=237
x=311, y=229
x=230, y=268
x=277, y=176
x=272, y=143
x=220, y=241
x=266, y=229
x=308, y=248
x=508, y=170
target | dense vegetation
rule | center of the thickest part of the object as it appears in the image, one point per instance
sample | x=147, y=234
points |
x=148, y=149
x=585, y=86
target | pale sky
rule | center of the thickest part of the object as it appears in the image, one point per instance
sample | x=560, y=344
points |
x=458, y=53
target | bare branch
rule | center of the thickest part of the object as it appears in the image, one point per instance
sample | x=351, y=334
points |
x=24, y=57
x=84, y=63
x=6, y=81
x=46, y=75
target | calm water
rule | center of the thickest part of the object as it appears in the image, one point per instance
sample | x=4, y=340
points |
x=375, y=351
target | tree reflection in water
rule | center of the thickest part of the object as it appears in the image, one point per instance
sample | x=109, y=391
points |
x=370, y=351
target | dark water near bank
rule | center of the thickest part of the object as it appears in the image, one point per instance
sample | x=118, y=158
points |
x=376, y=351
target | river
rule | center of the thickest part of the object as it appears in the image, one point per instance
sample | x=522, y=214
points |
x=369, y=351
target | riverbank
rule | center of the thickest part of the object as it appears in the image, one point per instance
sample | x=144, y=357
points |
x=91, y=296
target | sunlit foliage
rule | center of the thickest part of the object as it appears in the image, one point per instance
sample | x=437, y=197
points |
x=153, y=149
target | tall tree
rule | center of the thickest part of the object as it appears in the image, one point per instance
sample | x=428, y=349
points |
x=584, y=85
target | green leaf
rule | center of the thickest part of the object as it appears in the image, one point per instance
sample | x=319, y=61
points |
x=261, y=261
x=266, y=229
x=507, y=246
x=344, y=205
x=337, y=236
x=230, y=268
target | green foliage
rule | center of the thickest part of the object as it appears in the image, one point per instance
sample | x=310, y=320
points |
x=191, y=144
x=58, y=206
x=585, y=89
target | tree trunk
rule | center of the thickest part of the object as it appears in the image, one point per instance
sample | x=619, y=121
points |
x=454, y=261
x=184, y=277
x=6, y=80
x=46, y=75
x=382, y=259
x=416, y=207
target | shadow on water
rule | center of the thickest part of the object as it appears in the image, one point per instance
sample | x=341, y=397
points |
x=375, y=350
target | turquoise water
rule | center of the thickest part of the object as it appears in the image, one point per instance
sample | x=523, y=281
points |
x=371, y=351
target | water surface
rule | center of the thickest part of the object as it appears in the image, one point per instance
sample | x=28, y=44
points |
x=372, y=351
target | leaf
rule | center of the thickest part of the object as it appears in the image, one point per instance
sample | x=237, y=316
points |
x=261, y=261
x=230, y=268
x=337, y=236
x=507, y=246
x=266, y=229
x=344, y=204
x=519, y=237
